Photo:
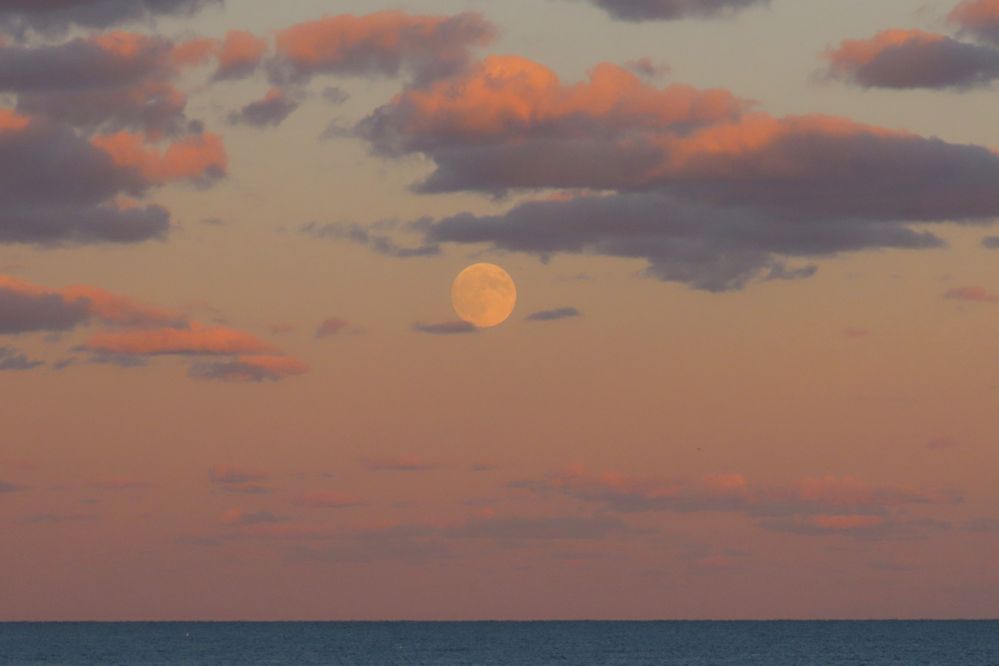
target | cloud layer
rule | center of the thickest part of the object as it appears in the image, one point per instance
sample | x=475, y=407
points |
x=811, y=505
x=707, y=190
x=133, y=332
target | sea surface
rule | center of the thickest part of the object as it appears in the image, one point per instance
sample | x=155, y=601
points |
x=488, y=643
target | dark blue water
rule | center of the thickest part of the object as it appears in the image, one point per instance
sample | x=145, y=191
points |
x=488, y=643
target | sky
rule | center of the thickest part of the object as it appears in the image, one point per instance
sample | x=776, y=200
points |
x=750, y=373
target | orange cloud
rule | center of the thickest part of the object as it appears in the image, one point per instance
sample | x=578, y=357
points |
x=848, y=491
x=508, y=123
x=972, y=294
x=125, y=45
x=810, y=496
x=332, y=326
x=114, y=81
x=193, y=52
x=75, y=304
x=381, y=43
x=194, y=157
x=118, y=310
x=194, y=339
x=509, y=95
x=10, y=120
x=240, y=53
x=142, y=331
x=726, y=149
x=251, y=369
x=980, y=17
x=855, y=52
x=913, y=59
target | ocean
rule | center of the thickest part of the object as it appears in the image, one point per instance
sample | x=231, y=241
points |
x=488, y=643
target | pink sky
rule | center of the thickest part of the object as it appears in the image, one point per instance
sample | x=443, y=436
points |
x=749, y=374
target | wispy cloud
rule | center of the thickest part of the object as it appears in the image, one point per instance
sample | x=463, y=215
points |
x=972, y=294
x=243, y=480
x=552, y=315
x=13, y=360
x=371, y=237
x=446, y=328
x=673, y=10
x=811, y=505
x=399, y=464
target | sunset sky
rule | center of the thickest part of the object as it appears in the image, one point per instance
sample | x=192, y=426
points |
x=753, y=371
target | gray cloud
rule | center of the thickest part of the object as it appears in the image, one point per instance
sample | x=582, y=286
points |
x=335, y=95
x=47, y=164
x=94, y=86
x=6, y=487
x=922, y=63
x=20, y=16
x=417, y=544
x=409, y=544
x=239, y=480
x=12, y=360
x=85, y=225
x=446, y=328
x=77, y=65
x=707, y=192
x=156, y=108
x=552, y=315
x=876, y=528
x=369, y=237
x=332, y=326
x=816, y=170
x=983, y=526
x=124, y=361
x=244, y=369
x=825, y=505
x=27, y=308
x=56, y=188
x=991, y=242
x=24, y=312
x=977, y=17
x=706, y=247
x=671, y=10
x=648, y=68
x=269, y=111
x=804, y=171
x=241, y=519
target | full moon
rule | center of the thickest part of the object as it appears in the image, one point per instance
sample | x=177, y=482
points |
x=484, y=295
